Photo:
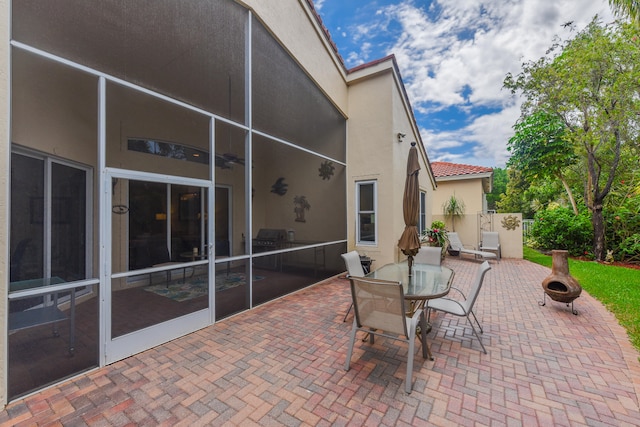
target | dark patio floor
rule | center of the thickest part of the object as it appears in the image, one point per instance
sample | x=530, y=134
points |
x=282, y=364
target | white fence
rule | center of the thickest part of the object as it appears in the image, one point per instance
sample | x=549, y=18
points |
x=526, y=230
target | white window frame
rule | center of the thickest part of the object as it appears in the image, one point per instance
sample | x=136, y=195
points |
x=422, y=223
x=374, y=213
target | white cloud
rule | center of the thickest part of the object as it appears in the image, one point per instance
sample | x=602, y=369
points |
x=454, y=55
x=459, y=58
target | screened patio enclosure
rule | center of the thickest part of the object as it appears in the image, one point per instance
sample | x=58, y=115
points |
x=151, y=144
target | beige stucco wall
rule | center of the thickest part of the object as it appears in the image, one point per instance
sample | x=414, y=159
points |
x=292, y=23
x=510, y=238
x=5, y=148
x=377, y=113
x=470, y=225
x=468, y=191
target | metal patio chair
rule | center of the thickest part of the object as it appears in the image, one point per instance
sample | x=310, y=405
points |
x=379, y=309
x=354, y=269
x=463, y=308
x=428, y=255
x=491, y=242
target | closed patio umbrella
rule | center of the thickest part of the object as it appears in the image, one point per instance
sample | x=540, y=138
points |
x=409, y=242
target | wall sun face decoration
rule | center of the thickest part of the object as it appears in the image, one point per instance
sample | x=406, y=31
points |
x=510, y=222
x=326, y=169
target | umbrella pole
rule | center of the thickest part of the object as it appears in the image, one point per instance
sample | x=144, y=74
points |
x=410, y=262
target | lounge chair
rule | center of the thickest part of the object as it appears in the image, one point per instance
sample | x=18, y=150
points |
x=456, y=247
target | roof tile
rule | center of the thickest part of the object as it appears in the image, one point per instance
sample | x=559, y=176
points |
x=441, y=169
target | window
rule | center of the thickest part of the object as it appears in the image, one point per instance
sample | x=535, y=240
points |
x=366, y=213
x=423, y=212
x=170, y=150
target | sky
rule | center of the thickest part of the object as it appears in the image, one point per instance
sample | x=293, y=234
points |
x=453, y=57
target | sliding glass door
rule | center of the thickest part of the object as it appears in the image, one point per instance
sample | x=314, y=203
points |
x=159, y=281
x=53, y=316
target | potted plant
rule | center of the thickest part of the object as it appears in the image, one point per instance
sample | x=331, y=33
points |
x=435, y=236
x=452, y=208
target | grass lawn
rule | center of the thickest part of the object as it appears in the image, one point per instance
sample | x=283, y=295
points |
x=618, y=288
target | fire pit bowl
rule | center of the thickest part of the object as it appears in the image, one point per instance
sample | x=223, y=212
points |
x=560, y=285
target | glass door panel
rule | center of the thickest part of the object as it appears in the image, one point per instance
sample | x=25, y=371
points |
x=159, y=253
x=68, y=222
x=27, y=217
x=52, y=322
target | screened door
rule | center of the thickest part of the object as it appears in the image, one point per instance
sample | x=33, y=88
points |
x=159, y=281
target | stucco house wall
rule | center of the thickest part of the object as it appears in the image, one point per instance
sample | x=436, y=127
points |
x=298, y=29
x=378, y=111
x=468, y=184
x=470, y=192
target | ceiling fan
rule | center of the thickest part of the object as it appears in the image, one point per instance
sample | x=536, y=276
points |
x=227, y=160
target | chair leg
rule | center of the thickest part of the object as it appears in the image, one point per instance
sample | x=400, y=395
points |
x=352, y=340
x=412, y=345
x=476, y=333
x=426, y=350
x=347, y=313
x=476, y=319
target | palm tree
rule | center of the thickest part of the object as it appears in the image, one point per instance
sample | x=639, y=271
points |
x=629, y=8
x=453, y=208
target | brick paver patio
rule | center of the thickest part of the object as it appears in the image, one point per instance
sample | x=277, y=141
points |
x=282, y=364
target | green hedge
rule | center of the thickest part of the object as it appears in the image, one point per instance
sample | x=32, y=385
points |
x=560, y=228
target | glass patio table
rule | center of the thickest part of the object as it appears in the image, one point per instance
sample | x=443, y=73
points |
x=425, y=282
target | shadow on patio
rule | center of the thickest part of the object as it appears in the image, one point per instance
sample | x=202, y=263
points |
x=282, y=364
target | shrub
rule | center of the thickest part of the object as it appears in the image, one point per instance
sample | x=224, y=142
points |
x=629, y=248
x=560, y=228
x=438, y=224
x=622, y=226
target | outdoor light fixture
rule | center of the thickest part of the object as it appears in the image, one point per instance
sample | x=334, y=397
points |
x=400, y=136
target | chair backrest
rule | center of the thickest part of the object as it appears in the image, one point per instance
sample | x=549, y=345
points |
x=454, y=241
x=379, y=304
x=428, y=255
x=352, y=262
x=490, y=240
x=475, y=287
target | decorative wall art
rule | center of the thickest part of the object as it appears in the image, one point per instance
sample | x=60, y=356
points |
x=301, y=205
x=326, y=170
x=510, y=222
x=280, y=188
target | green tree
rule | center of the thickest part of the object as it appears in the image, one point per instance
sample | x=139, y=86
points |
x=523, y=196
x=498, y=189
x=628, y=8
x=540, y=151
x=592, y=85
x=514, y=199
x=452, y=208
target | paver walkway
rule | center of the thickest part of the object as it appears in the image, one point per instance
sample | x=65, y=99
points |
x=282, y=364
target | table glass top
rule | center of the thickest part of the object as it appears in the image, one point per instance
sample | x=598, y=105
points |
x=425, y=282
